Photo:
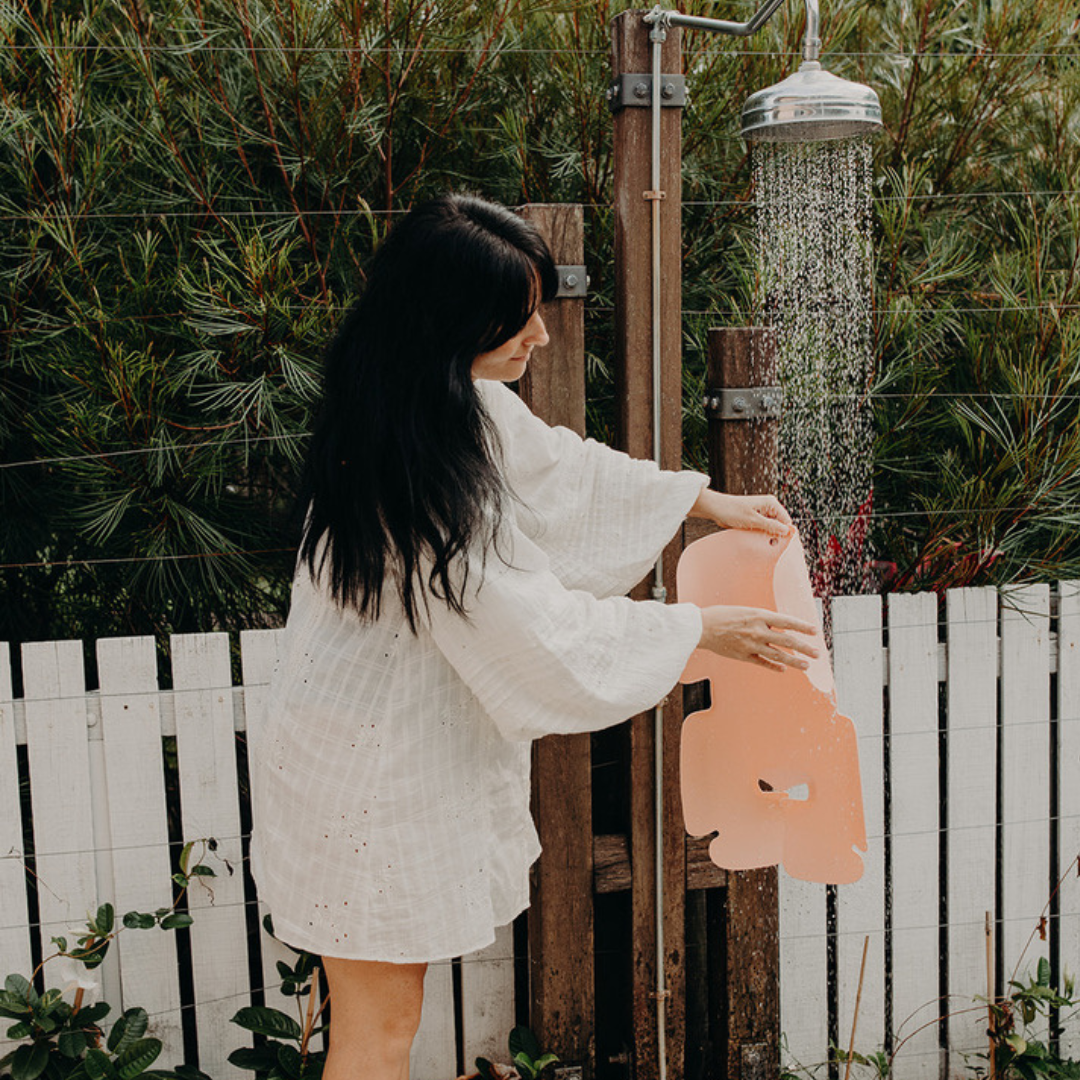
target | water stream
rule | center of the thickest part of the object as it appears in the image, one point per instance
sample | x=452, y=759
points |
x=815, y=293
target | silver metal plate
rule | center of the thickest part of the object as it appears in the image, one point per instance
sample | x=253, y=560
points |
x=573, y=282
x=743, y=403
x=627, y=90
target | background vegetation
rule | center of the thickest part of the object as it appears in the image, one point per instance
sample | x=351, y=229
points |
x=189, y=194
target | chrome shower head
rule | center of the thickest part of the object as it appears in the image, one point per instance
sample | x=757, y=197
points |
x=810, y=105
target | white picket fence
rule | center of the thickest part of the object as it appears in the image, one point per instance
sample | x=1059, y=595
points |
x=969, y=744
x=98, y=808
x=969, y=747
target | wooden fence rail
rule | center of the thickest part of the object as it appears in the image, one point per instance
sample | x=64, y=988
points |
x=969, y=729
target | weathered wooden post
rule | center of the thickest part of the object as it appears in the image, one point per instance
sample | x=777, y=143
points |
x=742, y=405
x=629, y=97
x=562, y=989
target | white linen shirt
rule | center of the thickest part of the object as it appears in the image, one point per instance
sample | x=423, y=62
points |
x=391, y=782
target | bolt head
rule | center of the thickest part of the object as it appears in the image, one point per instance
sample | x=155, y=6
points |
x=739, y=404
x=570, y=280
x=641, y=90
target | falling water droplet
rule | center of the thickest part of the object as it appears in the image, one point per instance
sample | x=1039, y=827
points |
x=815, y=281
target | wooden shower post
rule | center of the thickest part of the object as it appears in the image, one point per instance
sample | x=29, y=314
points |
x=561, y=976
x=633, y=396
x=743, y=461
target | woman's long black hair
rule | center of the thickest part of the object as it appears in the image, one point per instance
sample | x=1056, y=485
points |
x=400, y=475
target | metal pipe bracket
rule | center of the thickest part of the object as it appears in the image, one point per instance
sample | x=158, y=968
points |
x=743, y=403
x=636, y=90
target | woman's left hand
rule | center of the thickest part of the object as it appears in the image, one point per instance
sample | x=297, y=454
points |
x=761, y=512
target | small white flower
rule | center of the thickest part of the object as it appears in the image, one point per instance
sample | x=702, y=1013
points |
x=75, y=976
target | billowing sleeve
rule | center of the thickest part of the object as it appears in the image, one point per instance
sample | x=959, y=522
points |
x=601, y=516
x=543, y=659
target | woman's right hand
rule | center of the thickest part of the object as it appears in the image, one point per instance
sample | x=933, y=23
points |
x=758, y=636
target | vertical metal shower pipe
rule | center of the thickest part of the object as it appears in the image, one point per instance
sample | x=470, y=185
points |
x=657, y=35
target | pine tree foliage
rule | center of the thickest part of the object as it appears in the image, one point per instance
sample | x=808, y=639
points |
x=190, y=191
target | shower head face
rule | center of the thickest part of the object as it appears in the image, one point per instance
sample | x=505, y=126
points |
x=810, y=106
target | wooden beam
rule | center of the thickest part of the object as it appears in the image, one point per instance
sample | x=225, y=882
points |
x=634, y=398
x=742, y=461
x=562, y=977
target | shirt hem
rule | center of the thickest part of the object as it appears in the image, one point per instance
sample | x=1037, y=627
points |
x=291, y=936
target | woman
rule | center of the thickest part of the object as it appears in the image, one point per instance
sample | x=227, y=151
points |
x=458, y=594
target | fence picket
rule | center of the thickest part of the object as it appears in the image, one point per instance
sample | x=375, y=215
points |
x=1025, y=772
x=487, y=990
x=258, y=655
x=57, y=751
x=14, y=936
x=971, y=802
x=435, y=1047
x=1068, y=760
x=206, y=750
x=913, y=803
x=804, y=981
x=131, y=727
x=860, y=910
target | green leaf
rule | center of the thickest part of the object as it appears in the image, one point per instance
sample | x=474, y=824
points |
x=543, y=1062
x=1016, y=1043
x=20, y=987
x=483, y=1067
x=92, y=954
x=181, y=880
x=257, y=1059
x=71, y=1043
x=284, y=970
x=105, y=920
x=185, y=855
x=91, y=1014
x=29, y=1061
x=524, y=1065
x=176, y=920
x=137, y=1058
x=20, y=1030
x=139, y=920
x=128, y=1029
x=1043, y=977
x=203, y=871
x=523, y=1041
x=289, y=1061
x=60, y=943
x=266, y=1021
x=98, y=1066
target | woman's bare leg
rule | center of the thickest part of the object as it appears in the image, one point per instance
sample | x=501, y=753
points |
x=375, y=1011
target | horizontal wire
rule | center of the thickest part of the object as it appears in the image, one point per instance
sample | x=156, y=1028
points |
x=876, y=838
x=207, y=444
x=924, y=397
x=217, y=212
x=857, y=932
x=976, y=53
x=128, y=559
x=877, y=515
x=590, y=309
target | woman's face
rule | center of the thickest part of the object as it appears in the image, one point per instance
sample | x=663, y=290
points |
x=507, y=363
